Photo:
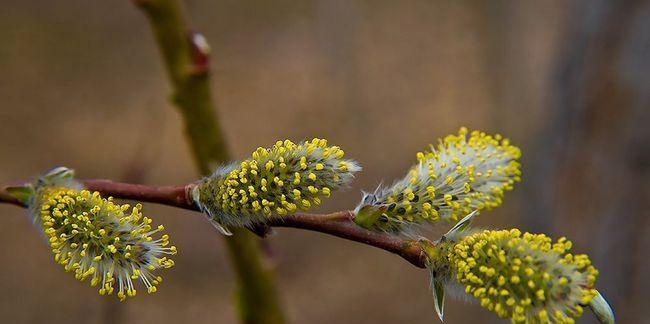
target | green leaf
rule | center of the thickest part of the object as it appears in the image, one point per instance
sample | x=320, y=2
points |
x=222, y=229
x=461, y=226
x=59, y=173
x=602, y=310
x=438, y=296
x=23, y=193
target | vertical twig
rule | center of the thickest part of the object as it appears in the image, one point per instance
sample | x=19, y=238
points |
x=186, y=61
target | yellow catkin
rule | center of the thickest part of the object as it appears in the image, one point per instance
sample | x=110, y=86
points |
x=462, y=173
x=274, y=181
x=95, y=238
x=522, y=277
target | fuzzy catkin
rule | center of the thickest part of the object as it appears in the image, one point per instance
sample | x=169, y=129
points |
x=522, y=277
x=463, y=173
x=274, y=182
x=95, y=238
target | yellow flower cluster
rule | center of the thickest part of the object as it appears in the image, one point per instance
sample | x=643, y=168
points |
x=274, y=181
x=98, y=239
x=463, y=173
x=525, y=278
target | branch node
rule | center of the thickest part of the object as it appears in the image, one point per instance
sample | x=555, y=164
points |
x=200, y=54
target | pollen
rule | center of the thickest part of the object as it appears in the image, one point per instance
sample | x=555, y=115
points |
x=287, y=177
x=95, y=238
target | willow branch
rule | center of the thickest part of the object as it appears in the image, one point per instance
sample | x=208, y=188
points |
x=186, y=57
x=338, y=224
x=6, y=198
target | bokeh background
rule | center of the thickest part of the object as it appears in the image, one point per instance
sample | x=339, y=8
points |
x=82, y=85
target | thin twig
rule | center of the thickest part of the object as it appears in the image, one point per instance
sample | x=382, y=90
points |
x=6, y=198
x=186, y=57
x=338, y=224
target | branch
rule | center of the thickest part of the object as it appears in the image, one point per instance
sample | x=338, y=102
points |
x=338, y=224
x=6, y=198
x=186, y=56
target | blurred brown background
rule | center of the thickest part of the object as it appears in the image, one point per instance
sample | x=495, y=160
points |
x=82, y=85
